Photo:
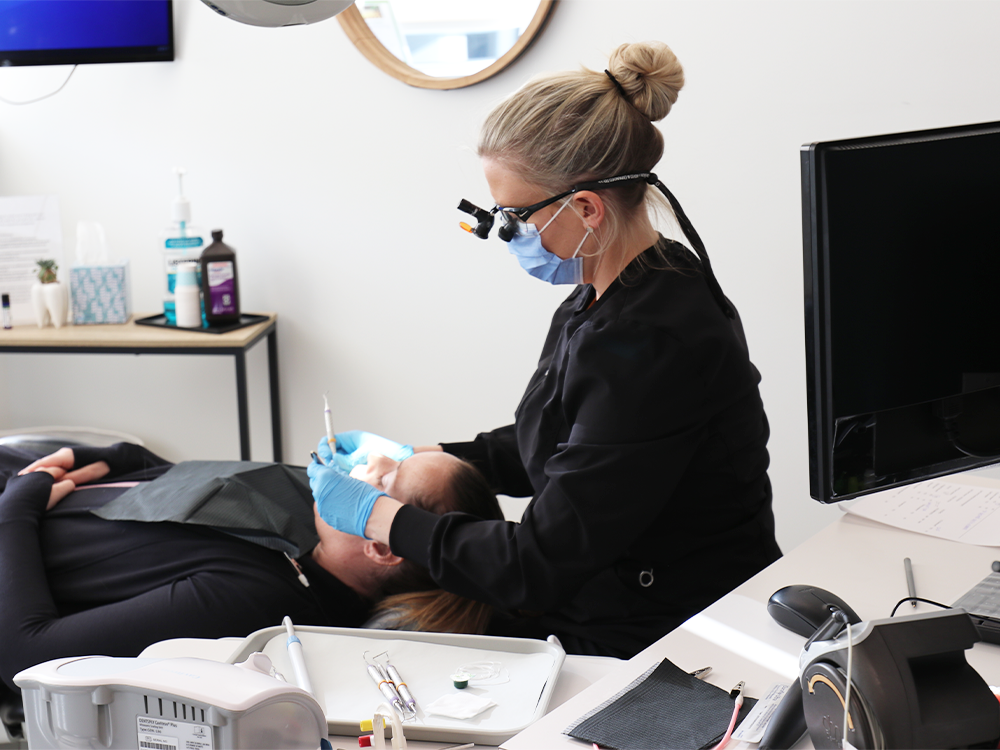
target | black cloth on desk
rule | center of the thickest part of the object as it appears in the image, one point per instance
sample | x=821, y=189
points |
x=74, y=584
x=642, y=438
x=664, y=708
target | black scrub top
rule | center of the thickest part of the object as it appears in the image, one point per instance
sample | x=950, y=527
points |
x=642, y=439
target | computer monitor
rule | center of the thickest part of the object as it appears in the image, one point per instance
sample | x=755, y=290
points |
x=902, y=307
x=69, y=32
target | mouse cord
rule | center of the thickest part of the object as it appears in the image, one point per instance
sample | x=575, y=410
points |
x=847, y=693
x=901, y=602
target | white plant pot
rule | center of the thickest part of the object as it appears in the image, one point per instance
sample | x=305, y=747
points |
x=38, y=304
x=57, y=301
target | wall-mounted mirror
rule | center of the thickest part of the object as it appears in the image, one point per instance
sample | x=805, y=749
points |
x=444, y=44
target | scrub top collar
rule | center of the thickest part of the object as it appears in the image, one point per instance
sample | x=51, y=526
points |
x=633, y=272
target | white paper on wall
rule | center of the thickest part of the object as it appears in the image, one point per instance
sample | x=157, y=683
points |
x=29, y=231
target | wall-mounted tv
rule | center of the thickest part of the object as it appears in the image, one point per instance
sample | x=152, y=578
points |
x=70, y=32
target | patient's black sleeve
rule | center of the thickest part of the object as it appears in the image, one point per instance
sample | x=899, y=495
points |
x=124, y=459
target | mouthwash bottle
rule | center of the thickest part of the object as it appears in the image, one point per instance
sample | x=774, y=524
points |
x=180, y=243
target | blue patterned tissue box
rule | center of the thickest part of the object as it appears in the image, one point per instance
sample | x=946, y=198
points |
x=100, y=293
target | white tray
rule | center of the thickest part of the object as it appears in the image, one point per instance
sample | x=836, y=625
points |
x=426, y=662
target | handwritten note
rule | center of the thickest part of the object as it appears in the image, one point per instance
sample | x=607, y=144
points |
x=963, y=509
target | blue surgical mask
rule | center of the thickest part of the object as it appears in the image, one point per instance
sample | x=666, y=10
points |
x=526, y=246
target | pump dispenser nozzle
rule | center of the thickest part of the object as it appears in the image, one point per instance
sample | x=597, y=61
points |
x=181, y=205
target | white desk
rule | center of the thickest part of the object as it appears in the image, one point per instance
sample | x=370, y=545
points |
x=860, y=561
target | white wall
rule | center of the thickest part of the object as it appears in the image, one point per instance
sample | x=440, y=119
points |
x=337, y=185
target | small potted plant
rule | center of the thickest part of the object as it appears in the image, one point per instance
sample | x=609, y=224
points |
x=49, y=296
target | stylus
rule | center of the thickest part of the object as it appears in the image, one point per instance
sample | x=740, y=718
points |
x=910, y=587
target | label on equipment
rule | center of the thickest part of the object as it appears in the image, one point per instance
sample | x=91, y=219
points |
x=163, y=734
x=751, y=729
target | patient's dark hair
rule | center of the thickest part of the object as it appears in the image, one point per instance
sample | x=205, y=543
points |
x=413, y=601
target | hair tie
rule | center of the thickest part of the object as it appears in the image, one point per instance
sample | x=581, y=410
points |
x=617, y=83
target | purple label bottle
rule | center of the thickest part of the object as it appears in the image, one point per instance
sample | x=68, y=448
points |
x=220, y=282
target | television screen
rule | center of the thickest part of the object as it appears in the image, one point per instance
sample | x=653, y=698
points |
x=902, y=262
x=67, y=32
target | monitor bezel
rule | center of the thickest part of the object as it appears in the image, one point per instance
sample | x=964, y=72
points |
x=816, y=270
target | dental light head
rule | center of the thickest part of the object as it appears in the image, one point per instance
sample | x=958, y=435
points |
x=272, y=13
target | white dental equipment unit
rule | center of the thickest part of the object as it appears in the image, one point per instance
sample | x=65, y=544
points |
x=107, y=702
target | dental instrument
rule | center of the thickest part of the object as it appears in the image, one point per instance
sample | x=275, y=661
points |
x=384, y=685
x=294, y=646
x=331, y=438
x=401, y=687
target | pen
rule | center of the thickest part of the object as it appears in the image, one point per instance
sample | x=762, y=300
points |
x=294, y=646
x=331, y=439
x=315, y=457
x=911, y=589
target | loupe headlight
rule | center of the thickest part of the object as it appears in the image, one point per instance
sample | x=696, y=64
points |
x=484, y=219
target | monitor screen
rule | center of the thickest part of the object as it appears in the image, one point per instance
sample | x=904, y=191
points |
x=902, y=266
x=67, y=32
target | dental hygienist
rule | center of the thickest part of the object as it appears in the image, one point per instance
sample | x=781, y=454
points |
x=641, y=437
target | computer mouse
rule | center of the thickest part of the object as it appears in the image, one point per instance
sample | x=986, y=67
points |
x=802, y=609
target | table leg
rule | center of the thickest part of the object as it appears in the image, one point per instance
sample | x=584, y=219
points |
x=242, y=405
x=272, y=377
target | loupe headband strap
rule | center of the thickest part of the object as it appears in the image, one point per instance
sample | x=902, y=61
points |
x=697, y=245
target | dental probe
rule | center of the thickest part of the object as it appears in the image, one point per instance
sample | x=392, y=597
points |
x=331, y=439
x=401, y=687
x=384, y=686
x=294, y=646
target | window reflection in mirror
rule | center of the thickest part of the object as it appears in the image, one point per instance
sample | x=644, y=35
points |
x=447, y=38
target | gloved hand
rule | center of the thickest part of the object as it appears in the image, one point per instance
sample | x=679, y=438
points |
x=354, y=446
x=343, y=501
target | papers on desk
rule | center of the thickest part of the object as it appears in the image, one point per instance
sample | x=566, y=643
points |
x=965, y=509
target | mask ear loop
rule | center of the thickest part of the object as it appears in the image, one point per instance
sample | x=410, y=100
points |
x=697, y=245
x=565, y=203
x=590, y=233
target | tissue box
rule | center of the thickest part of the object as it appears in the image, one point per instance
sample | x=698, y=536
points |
x=100, y=293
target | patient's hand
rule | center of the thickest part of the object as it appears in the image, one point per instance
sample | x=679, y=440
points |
x=60, y=488
x=63, y=460
x=59, y=465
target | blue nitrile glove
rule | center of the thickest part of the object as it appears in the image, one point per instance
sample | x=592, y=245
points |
x=343, y=501
x=354, y=446
x=339, y=460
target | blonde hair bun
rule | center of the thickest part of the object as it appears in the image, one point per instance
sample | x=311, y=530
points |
x=650, y=74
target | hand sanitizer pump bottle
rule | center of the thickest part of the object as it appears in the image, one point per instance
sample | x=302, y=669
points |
x=180, y=243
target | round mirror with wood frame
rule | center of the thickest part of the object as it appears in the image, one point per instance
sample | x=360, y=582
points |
x=357, y=31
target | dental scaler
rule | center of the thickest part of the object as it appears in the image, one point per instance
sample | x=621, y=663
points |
x=331, y=439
